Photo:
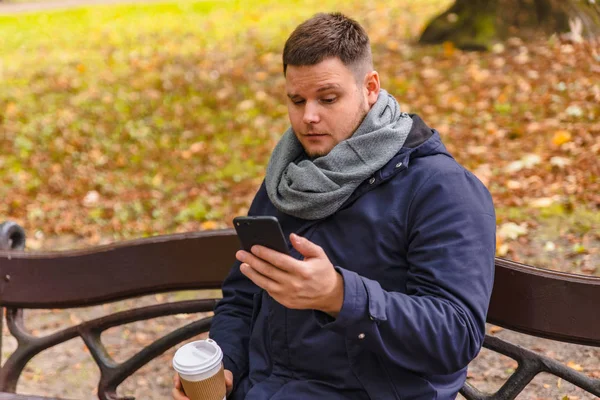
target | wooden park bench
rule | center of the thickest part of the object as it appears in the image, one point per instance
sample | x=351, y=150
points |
x=534, y=301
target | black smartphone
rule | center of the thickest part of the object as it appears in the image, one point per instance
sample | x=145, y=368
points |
x=262, y=230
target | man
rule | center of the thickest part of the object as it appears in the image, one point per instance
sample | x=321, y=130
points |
x=385, y=291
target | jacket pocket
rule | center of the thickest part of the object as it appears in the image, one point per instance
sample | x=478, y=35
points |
x=410, y=385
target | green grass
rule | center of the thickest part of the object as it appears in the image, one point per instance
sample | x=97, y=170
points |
x=133, y=120
x=512, y=214
x=553, y=219
x=167, y=110
x=102, y=37
x=579, y=221
x=83, y=29
x=214, y=20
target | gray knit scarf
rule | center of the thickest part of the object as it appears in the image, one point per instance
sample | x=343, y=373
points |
x=314, y=189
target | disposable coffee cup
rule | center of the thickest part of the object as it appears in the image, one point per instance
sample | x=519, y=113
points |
x=200, y=368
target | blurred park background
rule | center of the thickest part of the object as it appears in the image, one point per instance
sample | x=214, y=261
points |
x=120, y=121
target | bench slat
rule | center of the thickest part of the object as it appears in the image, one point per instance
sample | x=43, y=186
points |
x=199, y=260
x=544, y=303
x=531, y=300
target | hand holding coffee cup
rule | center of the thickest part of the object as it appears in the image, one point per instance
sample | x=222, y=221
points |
x=178, y=389
x=200, y=373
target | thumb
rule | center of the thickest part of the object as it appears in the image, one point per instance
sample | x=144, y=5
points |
x=228, y=380
x=228, y=377
x=305, y=247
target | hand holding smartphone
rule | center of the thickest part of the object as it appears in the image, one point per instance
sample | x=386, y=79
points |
x=262, y=230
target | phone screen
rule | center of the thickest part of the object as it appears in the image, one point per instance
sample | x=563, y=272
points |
x=262, y=230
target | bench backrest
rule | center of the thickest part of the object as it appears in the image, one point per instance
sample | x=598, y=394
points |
x=526, y=299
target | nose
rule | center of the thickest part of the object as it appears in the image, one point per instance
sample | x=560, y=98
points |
x=311, y=114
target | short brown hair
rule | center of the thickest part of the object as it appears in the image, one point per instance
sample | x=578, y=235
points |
x=325, y=36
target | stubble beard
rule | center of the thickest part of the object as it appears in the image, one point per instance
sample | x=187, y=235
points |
x=361, y=115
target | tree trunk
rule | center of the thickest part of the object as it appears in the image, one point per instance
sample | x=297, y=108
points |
x=476, y=24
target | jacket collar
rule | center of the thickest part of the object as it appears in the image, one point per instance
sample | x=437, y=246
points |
x=419, y=132
x=422, y=141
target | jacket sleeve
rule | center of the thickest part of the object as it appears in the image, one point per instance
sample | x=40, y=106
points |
x=437, y=324
x=230, y=326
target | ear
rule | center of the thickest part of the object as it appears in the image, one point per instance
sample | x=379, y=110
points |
x=372, y=87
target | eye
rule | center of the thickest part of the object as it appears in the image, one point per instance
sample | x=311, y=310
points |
x=328, y=100
x=298, y=102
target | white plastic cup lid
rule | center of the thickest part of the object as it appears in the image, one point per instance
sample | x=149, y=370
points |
x=197, y=357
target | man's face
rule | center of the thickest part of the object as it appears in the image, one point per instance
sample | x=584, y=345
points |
x=326, y=104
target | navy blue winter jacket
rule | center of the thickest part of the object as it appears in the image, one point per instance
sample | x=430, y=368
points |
x=415, y=245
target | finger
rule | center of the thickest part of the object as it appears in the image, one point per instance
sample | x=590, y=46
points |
x=177, y=381
x=266, y=269
x=228, y=381
x=260, y=280
x=178, y=395
x=228, y=377
x=241, y=255
x=305, y=247
x=248, y=257
x=280, y=260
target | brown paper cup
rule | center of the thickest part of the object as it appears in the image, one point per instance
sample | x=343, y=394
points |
x=200, y=368
x=209, y=389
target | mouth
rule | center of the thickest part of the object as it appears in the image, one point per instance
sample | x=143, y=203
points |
x=315, y=137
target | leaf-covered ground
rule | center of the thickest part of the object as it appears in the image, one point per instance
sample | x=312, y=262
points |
x=127, y=121
x=136, y=120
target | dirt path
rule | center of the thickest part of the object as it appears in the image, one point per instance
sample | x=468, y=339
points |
x=14, y=8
